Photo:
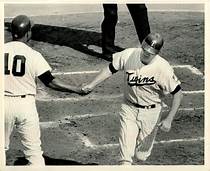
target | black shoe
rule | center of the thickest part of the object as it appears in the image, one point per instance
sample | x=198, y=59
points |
x=118, y=49
x=107, y=56
x=111, y=50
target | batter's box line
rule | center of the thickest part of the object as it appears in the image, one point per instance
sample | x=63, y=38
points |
x=88, y=144
x=67, y=119
x=193, y=69
x=73, y=117
x=99, y=97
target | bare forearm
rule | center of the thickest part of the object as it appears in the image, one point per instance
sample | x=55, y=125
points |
x=103, y=75
x=165, y=124
x=175, y=104
x=58, y=85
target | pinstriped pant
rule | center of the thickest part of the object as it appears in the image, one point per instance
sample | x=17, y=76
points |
x=22, y=113
x=138, y=129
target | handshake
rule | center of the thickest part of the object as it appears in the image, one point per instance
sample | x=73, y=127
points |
x=84, y=89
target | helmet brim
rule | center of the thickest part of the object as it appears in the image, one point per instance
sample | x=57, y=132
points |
x=145, y=46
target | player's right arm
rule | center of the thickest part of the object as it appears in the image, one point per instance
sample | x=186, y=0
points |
x=103, y=75
x=43, y=72
x=108, y=71
x=54, y=83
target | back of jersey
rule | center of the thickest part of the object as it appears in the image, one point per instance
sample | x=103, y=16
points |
x=22, y=65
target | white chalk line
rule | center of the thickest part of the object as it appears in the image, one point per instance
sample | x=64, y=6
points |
x=55, y=124
x=88, y=144
x=98, y=11
x=193, y=69
x=85, y=140
x=99, y=97
x=193, y=92
x=75, y=73
x=190, y=67
x=82, y=98
x=69, y=13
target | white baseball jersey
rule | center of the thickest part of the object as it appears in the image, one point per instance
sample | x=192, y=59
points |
x=22, y=66
x=144, y=84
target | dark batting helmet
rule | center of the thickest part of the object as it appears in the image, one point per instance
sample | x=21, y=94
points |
x=20, y=26
x=153, y=43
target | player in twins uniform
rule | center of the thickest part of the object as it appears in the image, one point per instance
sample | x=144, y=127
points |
x=22, y=66
x=147, y=76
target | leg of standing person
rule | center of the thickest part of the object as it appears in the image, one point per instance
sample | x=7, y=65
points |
x=108, y=28
x=140, y=18
x=9, y=122
x=147, y=120
x=29, y=130
x=22, y=112
x=128, y=134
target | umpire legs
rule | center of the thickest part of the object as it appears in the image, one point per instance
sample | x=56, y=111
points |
x=108, y=27
x=140, y=18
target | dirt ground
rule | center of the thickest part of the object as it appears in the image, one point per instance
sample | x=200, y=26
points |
x=65, y=42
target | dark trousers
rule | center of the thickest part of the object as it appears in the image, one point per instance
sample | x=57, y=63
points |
x=140, y=18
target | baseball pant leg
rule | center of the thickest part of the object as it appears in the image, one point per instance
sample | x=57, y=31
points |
x=9, y=121
x=144, y=147
x=128, y=134
x=148, y=125
x=140, y=18
x=108, y=27
x=29, y=129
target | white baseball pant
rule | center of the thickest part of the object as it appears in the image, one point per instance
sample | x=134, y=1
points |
x=22, y=113
x=138, y=129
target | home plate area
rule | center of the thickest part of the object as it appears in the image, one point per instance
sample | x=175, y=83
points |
x=84, y=129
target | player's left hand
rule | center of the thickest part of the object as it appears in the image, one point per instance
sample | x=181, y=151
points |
x=165, y=125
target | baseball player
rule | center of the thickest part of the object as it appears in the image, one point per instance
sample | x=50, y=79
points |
x=147, y=76
x=22, y=66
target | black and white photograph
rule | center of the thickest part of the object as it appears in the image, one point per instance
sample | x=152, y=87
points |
x=104, y=84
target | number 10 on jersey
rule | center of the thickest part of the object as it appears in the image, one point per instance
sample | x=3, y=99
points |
x=18, y=65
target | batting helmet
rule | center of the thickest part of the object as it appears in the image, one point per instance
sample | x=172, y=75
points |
x=20, y=26
x=153, y=43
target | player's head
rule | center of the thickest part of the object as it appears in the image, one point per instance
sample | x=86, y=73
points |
x=20, y=27
x=153, y=43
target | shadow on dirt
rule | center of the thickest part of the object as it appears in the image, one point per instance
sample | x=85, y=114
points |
x=51, y=161
x=63, y=36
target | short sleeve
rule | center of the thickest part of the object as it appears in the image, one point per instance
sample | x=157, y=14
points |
x=40, y=65
x=118, y=61
x=169, y=80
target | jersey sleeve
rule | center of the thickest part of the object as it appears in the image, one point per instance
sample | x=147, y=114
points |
x=118, y=61
x=169, y=81
x=41, y=65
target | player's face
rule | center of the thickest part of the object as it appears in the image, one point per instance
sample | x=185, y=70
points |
x=146, y=56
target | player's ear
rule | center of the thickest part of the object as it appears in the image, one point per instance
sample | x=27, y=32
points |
x=28, y=35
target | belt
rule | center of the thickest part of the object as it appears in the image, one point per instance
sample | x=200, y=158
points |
x=144, y=107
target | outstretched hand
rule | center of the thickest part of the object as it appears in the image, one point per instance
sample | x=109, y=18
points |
x=79, y=90
x=86, y=89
